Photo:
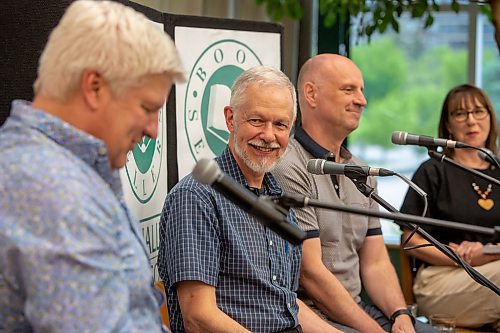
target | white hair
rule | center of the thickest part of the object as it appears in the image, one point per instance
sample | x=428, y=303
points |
x=263, y=76
x=121, y=44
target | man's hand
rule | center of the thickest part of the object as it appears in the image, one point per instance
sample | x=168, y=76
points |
x=402, y=324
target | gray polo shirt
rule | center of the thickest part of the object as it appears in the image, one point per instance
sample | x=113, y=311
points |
x=341, y=234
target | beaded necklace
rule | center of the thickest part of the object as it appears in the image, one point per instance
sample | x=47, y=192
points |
x=484, y=202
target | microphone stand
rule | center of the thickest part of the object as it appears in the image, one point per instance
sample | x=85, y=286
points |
x=369, y=192
x=404, y=220
x=442, y=157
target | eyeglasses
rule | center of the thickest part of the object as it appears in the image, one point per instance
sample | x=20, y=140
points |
x=462, y=115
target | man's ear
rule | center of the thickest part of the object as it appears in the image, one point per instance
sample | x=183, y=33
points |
x=309, y=92
x=91, y=86
x=229, y=115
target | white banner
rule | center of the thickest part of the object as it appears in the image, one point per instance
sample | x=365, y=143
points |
x=144, y=180
x=213, y=59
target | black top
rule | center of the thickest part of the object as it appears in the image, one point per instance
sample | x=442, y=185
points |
x=452, y=197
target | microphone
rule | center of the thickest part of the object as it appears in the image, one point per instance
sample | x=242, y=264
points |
x=321, y=167
x=404, y=138
x=486, y=155
x=207, y=172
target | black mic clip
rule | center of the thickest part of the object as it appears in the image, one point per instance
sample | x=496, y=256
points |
x=330, y=157
x=291, y=200
x=433, y=153
x=361, y=184
x=275, y=202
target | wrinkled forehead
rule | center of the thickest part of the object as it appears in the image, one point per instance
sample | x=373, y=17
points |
x=466, y=101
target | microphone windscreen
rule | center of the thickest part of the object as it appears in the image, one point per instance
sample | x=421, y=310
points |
x=315, y=166
x=483, y=154
x=399, y=138
x=206, y=171
x=487, y=155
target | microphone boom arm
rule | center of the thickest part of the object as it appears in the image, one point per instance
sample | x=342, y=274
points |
x=297, y=200
x=443, y=158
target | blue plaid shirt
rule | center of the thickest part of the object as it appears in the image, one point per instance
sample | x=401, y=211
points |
x=71, y=256
x=205, y=237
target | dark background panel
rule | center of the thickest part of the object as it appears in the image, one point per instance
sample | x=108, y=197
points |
x=24, y=29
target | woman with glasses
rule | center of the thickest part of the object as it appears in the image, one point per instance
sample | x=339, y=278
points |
x=454, y=194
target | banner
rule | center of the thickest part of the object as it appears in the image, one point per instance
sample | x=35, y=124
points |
x=214, y=58
x=144, y=176
x=191, y=125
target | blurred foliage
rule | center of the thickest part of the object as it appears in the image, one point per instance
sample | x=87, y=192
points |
x=372, y=15
x=405, y=82
x=406, y=93
x=378, y=63
x=278, y=9
x=491, y=70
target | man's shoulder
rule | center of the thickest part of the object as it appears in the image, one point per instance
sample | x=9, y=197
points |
x=295, y=156
x=39, y=162
x=188, y=186
x=186, y=183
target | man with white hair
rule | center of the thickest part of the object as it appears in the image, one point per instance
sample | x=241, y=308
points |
x=71, y=256
x=224, y=271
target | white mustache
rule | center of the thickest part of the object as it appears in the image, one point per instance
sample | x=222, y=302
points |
x=263, y=144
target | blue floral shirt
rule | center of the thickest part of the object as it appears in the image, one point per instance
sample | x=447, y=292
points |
x=71, y=255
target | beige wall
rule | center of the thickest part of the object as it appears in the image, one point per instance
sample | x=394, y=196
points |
x=238, y=9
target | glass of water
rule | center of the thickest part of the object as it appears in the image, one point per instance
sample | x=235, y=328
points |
x=444, y=323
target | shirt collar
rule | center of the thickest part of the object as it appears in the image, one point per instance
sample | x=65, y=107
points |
x=313, y=148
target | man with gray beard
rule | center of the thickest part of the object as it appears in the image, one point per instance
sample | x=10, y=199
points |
x=223, y=270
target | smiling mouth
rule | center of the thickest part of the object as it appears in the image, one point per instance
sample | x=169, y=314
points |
x=264, y=149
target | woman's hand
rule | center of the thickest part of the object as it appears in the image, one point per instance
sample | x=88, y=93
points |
x=472, y=253
x=467, y=250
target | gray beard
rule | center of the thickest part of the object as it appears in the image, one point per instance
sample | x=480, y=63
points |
x=260, y=167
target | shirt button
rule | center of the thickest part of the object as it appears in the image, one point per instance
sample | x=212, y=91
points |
x=274, y=277
x=288, y=304
x=102, y=151
x=271, y=243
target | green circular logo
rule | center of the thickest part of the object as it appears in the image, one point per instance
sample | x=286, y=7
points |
x=144, y=163
x=209, y=91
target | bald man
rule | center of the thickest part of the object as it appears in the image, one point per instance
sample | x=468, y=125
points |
x=346, y=251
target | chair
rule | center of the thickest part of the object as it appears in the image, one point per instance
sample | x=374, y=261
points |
x=163, y=310
x=402, y=263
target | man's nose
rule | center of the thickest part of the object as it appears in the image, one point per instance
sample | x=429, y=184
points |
x=360, y=99
x=151, y=129
x=268, y=133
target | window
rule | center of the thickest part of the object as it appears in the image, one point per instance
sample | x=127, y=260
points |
x=407, y=76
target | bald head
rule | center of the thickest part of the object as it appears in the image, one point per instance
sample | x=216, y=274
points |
x=331, y=96
x=323, y=67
